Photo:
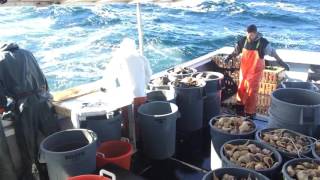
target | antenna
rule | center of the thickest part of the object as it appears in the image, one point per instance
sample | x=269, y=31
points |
x=139, y=26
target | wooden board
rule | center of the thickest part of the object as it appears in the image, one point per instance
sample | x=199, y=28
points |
x=89, y=99
x=72, y=93
x=76, y=91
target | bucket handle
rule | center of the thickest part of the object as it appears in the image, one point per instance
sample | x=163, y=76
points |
x=104, y=173
x=159, y=119
x=178, y=114
x=203, y=92
x=308, y=111
x=125, y=139
x=41, y=157
x=93, y=135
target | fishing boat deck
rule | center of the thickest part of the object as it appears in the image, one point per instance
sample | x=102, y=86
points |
x=194, y=155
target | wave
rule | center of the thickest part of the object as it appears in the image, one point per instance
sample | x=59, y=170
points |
x=200, y=6
x=282, y=6
x=73, y=44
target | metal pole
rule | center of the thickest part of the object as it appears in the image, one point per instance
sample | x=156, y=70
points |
x=139, y=26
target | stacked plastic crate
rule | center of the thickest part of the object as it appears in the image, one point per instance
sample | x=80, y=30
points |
x=272, y=77
x=230, y=71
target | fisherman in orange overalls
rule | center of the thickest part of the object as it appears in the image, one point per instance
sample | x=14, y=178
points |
x=253, y=48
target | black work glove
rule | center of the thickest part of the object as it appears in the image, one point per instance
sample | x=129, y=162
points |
x=228, y=59
x=284, y=65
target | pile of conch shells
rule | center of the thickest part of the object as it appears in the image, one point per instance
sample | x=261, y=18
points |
x=304, y=171
x=249, y=156
x=230, y=177
x=161, y=81
x=187, y=82
x=286, y=140
x=204, y=75
x=181, y=70
x=234, y=124
x=219, y=61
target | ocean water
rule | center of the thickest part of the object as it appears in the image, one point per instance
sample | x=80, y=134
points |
x=73, y=44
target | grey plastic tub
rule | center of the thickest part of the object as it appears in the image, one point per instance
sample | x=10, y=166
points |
x=219, y=137
x=293, y=162
x=161, y=95
x=237, y=172
x=190, y=103
x=272, y=173
x=300, y=85
x=285, y=155
x=107, y=129
x=157, y=121
x=296, y=107
x=69, y=153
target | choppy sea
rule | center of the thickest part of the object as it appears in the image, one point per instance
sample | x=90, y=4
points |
x=73, y=44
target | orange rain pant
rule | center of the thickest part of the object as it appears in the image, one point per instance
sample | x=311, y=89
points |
x=251, y=71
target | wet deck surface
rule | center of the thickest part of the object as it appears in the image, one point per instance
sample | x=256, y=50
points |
x=191, y=160
x=194, y=157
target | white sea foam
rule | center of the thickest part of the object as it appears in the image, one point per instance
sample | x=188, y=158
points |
x=282, y=6
x=25, y=26
x=190, y=5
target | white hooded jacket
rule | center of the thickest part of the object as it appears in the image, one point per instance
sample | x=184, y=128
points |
x=128, y=71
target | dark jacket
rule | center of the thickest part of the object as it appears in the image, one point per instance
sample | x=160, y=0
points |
x=22, y=79
x=264, y=47
x=19, y=72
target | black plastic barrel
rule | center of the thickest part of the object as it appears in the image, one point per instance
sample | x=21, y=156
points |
x=219, y=137
x=107, y=128
x=213, y=87
x=296, y=108
x=157, y=121
x=294, y=162
x=69, y=153
x=190, y=103
x=161, y=95
x=272, y=173
x=236, y=172
x=286, y=156
x=300, y=85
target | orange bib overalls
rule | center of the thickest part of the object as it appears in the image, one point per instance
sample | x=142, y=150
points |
x=251, y=70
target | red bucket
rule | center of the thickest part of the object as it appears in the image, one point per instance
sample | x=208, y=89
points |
x=114, y=152
x=102, y=175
